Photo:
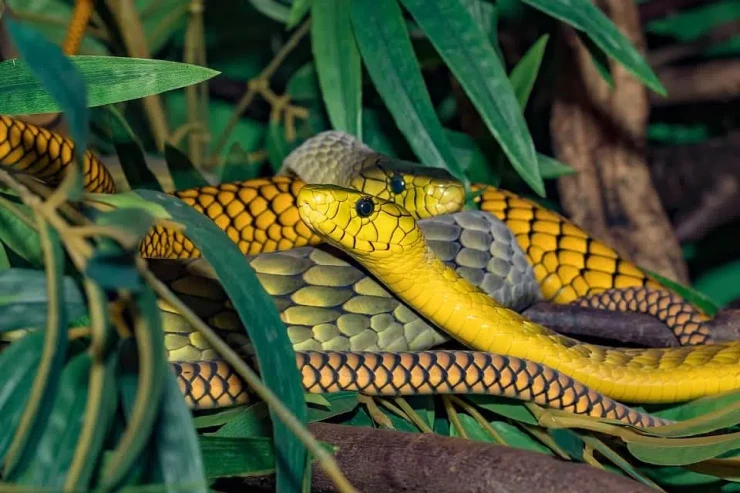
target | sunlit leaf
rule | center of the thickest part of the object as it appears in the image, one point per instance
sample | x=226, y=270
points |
x=108, y=79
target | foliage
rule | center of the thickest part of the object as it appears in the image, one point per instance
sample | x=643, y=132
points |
x=389, y=82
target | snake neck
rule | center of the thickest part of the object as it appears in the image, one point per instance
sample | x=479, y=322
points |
x=470, y=316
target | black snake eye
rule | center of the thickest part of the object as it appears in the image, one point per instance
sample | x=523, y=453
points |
x=398, y=184
x=364, y=206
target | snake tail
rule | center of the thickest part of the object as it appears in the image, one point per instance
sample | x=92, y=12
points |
x=46, y=155
x=667, y=307
x=209, y=384
x=570, y=265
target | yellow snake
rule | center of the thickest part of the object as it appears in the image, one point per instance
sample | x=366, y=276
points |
x=387, y=241
x=45, y=155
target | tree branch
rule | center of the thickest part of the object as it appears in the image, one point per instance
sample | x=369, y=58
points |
x=384, y=460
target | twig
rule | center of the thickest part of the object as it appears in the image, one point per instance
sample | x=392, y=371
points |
x=710, y=81
x=134, y=39
x=77, y=26
x=256, y=85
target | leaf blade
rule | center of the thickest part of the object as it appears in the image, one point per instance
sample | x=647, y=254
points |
x=108, y=79
x=390, y=60
x=585, y=16
x=469, y=55
x=338, y=65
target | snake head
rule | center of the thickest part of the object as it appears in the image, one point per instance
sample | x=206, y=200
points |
x=423, y=192
x=356, y=222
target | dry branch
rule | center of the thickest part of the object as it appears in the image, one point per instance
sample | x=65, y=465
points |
x=717, y=80
x=382, y=460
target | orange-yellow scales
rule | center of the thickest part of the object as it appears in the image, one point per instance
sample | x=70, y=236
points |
x=386, y=240
x=573, y=267
x=46, y=155
x=258, y=215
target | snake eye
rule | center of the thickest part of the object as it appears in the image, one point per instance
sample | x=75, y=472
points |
x=364, y=206
x=398, y=184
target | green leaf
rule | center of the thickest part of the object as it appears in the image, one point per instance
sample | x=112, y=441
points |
x=298, y=11
x=109, y=80
x=552, y=168
x=184, y=174
x=503, y=407
x=304, y=84
x=585, y=16
x=337, y=61
x=524, y=74
x=599, y=59
x=18, y=366
x=4, y=260
x=24, y=299
x=56, y=446
x=719, y=283
x=175, y=443
x=689, y=294
x=259, y=316
x=149, y=337
x=224, y=457
x=472, y=60
x=219, y=417
x=389, y=57
x=617, y=459
x=45, y=385
x=44, y=73
x=251, y=422
x=130, y=153
x=682, y=451
x=276, y=145
x=340, y=403
x=272, y=9
x=21, y=238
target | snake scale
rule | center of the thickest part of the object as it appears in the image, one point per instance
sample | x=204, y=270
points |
x=45, y=155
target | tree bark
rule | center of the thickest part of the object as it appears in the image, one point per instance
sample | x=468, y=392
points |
x=390, y=461
x=601, y=133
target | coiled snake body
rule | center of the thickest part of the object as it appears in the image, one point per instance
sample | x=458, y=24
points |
x=263, y=213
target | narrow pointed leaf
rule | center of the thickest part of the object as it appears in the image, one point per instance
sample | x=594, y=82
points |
x=24, y=299
x=109, y=80
x=338, y=64
x=184, y=174
x=53, y=454
x=259, y=316
x=175, y=443
x=524, y=74
x=387, y=52
x=46, y=381
x=682, y=451
x=151, y=355
x=45, y=74
x=18, y=366
x=298, y=11
x=585, y=16
x=469, y=55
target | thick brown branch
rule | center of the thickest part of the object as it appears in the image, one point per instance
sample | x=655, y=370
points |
x=382, y=460
x=658, y=9
x=709, y=81
x=602, y=326
x=725, y=326
x=601, y=133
